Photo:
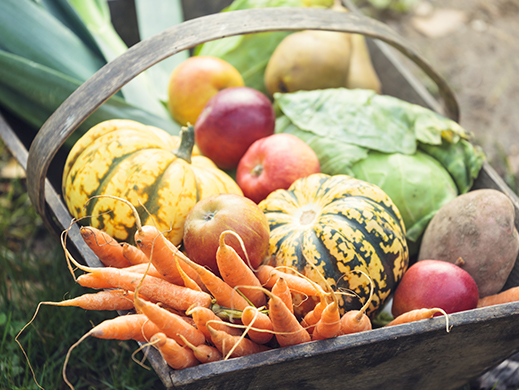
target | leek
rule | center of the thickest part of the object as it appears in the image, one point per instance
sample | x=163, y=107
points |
x=96, y=16
x=151, y=20
x=28, y=30
x=33, y=92
x=48, y=48
x=67, y=15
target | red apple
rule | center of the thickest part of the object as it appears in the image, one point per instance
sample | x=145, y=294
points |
x=230, y=122
x=215, y=214
x=273, y=163
x=435, y=283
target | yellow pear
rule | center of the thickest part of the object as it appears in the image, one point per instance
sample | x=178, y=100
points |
x=309, y=60
x=361, y=73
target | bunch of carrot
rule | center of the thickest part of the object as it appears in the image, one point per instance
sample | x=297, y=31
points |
x=190, y=314
x=188, y=303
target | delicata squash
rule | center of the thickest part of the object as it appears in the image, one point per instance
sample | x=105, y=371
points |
x=158, y=173
x=329, y=227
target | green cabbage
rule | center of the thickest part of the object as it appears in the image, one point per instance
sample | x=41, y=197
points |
x=419, y=158
x=417, y=183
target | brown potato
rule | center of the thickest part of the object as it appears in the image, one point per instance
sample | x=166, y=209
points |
x=475, y=230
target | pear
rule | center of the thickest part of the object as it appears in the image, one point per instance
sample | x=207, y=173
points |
x=361, y=73
x=309, y=60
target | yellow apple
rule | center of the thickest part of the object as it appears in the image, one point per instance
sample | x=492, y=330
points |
x=217, y=213
x=194, y=82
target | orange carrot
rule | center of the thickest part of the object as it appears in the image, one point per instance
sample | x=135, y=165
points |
x=102, y=300
x=106, y=248
x=128, y=327
x=313, y=316
x=149, y=269
x=419, y=314
x=269, y=275
x=177, y=297
x=93, y=281
x=202, y=315
x=235, y=272
x=261, y=331
x=171, y=324
x=507, y=296
x=188, y=282
x=175, y=355
x=329, y=325
x=204, y=353
x=233, y=346
x=286, y=327
x=134, y=255
x=162, y=253
x=154, y=289
x=121, y=328
x=355, y=321
x=224, y=294
x=281, y=290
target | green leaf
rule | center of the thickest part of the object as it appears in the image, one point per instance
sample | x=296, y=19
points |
x=96, y=16
x=153, y=18
x=353, y=117
x=29, y=31
x=65, y=13
x=462, y=159
x=335, y=156
x=364, y=118
x=33, y=92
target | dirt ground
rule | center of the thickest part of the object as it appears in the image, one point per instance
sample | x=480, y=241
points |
x=473, y=44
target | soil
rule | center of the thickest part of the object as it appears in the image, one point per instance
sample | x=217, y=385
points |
x=473, y=45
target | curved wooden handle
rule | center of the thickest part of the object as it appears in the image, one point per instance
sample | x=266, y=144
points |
x=113, y=76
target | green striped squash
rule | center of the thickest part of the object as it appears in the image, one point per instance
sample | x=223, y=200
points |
x=163, y=176
x=330, y=227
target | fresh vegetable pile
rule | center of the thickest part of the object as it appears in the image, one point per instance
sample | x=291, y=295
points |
x=288, y=209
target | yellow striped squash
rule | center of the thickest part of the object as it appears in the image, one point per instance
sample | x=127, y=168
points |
x=326, y=227
x=158, y=173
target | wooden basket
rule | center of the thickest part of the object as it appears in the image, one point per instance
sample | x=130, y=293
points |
x=419, y=355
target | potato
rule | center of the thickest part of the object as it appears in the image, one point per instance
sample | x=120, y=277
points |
x=477, y=227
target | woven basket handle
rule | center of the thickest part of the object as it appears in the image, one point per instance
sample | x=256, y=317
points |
x=113, y=76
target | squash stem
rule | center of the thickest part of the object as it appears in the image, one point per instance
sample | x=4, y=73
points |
x=187, y=142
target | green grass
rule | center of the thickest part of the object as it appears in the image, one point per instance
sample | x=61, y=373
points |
x=33, y=269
